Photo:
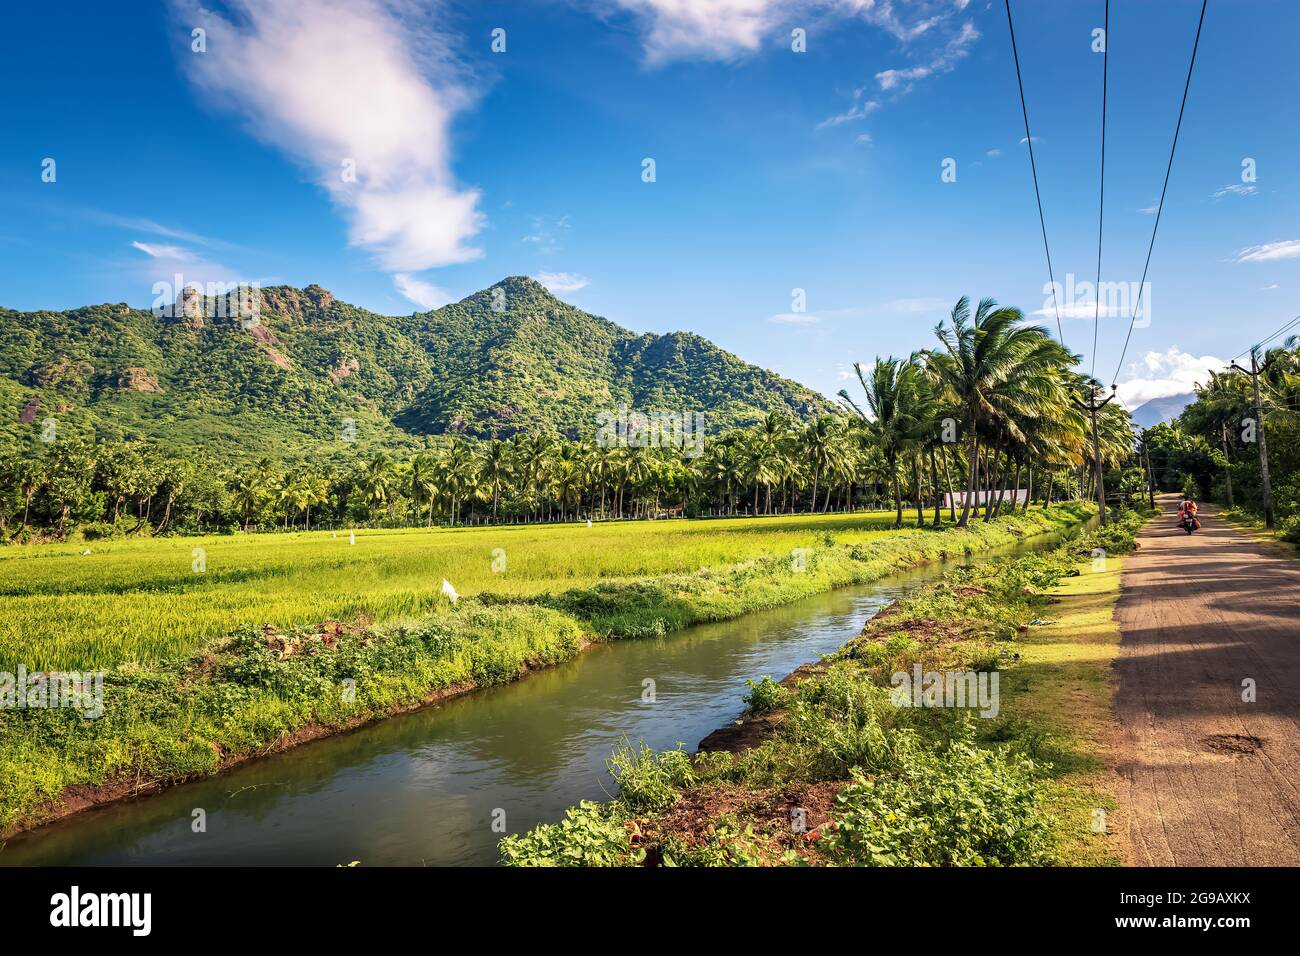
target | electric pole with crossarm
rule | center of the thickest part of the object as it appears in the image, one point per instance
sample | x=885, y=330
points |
x=1092, y=407
x=1255, y=371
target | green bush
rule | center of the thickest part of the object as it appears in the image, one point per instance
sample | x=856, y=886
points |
x=649, y=781
x=764, y=696
x=589, y=835
x=962, y=806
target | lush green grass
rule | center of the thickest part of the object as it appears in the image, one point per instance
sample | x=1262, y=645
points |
x=259, y=689
x=141, y=600
x=883, y=785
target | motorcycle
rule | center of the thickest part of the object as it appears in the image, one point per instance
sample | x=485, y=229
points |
x=1190, y=523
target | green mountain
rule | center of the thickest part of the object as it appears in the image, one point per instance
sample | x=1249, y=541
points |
x=510, y=358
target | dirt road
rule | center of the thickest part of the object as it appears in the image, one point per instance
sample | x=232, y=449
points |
x=1207, y=777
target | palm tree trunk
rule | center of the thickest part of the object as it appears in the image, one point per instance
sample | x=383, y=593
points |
x=898, y=496
x=916, y=482
x=934, y=482
x=973, y=463
x=947, y=480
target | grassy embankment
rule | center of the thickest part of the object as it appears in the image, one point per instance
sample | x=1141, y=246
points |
x=186, y=697
x=825, y=769
x=1284, y=539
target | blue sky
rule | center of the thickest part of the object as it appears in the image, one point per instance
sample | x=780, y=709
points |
x=775, y=170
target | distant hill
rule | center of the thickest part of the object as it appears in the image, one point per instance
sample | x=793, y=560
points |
x=1161, y=410
x=508, y=359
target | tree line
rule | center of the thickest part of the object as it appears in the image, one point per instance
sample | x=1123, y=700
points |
x=1215, y=449
x=986, y=411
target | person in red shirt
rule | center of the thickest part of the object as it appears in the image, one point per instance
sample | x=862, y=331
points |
x=1188, y=507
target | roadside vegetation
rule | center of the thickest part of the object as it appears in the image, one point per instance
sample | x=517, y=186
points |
x=266, y=687
x=825, y=769
x=1213, y=449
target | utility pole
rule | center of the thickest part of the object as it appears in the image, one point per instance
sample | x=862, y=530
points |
x=1227, y=471
x=1255, y=371
x=1151, y=475
x=1092, y=407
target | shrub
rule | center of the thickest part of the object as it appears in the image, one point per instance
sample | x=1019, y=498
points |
x=962, y=806
x=649, y=781
x=589, y=835
x=764, y=695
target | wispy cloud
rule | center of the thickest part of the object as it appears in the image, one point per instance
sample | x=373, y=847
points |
x=1270, y=251
x=1234, y=189
x=176, y=265
x=562, y=282
x=547, y=234
x=424, y=294
x=926, y=19
x=859, y=110
x=362, y=93
x=952, y=53
x=163, y=251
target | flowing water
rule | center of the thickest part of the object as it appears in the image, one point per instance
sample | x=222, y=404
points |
x=426, y=788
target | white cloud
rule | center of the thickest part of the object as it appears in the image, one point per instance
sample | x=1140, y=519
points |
x=546, y=233
x=559, y=283
x=1271, y=251
x=857, y=111
x=1233, y=189
x=1270, y=287
x=175, y=266
x=1149, y=210
x=367, y=81
x=994, y=152
x=1162, y=374
x=1036, y=139
x=422, y=293
x=796, y=318
x=163, y=251
x=904, y=21
x=864, y=138
x=701, y=29
x=946, y=60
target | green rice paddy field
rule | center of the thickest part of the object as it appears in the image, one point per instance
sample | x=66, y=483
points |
x=143, y=601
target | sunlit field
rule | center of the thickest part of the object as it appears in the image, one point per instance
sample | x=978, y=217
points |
x=144, y=601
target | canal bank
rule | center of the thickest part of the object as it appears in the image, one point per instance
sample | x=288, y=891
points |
x=528, y=749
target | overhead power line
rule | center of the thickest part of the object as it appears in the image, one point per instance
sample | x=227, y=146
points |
x=1033, y=168
x=1163, y=189
x=1101, y=204
x=1262, y=342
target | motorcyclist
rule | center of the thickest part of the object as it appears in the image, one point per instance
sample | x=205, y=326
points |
x=1187, y=509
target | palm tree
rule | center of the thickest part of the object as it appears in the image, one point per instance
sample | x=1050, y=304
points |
x=894, y=397
x=377, y=480
x=496, y=470
x=424, y=480
x=460, y=472
x=820, y=445
x=982, y=353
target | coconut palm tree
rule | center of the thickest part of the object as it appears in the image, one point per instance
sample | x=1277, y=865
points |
x=982, y=352
x=894, y=397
